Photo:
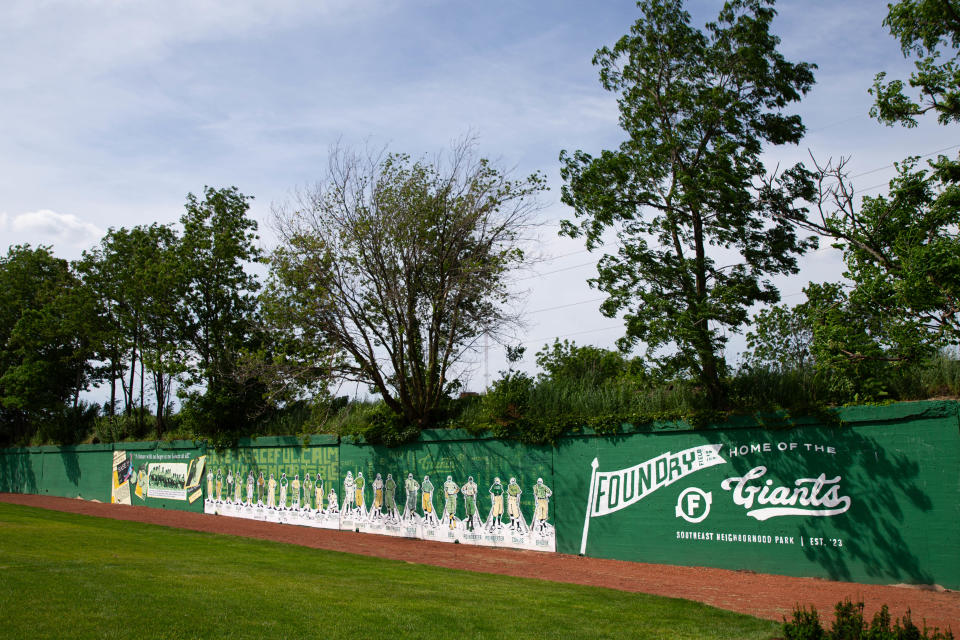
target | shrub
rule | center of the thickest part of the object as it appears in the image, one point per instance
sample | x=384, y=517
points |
x=849, y=624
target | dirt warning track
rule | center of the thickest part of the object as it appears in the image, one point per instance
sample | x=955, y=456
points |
x=762, y=595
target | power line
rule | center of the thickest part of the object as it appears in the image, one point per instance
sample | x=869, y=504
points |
x=600, y=330
x=565, y=306
x=547, y=273
x=565, y=255
x=887, y=166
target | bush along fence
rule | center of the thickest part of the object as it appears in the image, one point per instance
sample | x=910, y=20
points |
x=867, y=495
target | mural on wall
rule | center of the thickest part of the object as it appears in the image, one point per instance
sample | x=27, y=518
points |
x=142, y=477
x=800, y=501
x=285, y=484
x=371, y=507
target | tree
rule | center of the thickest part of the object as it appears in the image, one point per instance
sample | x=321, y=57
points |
x=853, y=350
x=700, y=227
x=159, y=267
x=902, y=249
x=138, y=280
x=925, y=28
x=584, y=365
x=780, y=339
x=219, y=312
x=401, y=264
x=296, y=359
x=47, y=342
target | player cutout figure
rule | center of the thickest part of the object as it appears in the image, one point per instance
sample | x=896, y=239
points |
x=229, y=486
x=271, y=493
x=359, y=483
x=332, y=506
x=450, y=492
x=496, y=505
x=426, y=502
x=390, y=499
x=318, y=491
x=251, y=483
x=412, y=487
x=307, y=491
x=295, y=486
x=541, y=496
x=283, y=492
x=469, y=491
x=377, y=508
x=517, y=522
x=349, y=494
x=219, y=485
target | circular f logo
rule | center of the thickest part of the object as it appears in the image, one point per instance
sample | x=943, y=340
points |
x=693, y=505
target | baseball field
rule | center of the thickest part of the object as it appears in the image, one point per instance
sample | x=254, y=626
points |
x=73, y=576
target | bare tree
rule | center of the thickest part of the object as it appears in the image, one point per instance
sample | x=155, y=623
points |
x=402, y=264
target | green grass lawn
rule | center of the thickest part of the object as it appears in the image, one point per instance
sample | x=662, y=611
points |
x=71, y=576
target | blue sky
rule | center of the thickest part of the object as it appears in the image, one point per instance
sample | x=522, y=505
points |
x=111, y=111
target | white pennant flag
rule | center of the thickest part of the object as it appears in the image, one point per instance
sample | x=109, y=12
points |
x=611, y=491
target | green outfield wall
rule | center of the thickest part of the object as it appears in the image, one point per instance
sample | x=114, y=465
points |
x=873, y=498
x=866, y=494
x=277, y=455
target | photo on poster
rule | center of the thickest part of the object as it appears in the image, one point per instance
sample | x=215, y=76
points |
x=167, y=480
x=195, y=473
x=120, y=486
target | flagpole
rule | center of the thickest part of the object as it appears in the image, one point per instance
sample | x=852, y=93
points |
x=590, y=500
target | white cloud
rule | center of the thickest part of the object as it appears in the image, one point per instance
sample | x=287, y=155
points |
x=49, y=227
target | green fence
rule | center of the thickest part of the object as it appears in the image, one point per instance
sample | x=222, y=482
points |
x=87, y=471
x=870, y=495
x=872, y=499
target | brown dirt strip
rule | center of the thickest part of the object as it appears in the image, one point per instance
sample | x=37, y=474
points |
x=762, y=595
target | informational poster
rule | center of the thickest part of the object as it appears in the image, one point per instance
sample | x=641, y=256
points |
x=121, y=475
x=146, y=477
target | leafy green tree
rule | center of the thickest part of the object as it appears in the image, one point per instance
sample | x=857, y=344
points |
x=926, y=29
x=700, y=226
x=219, y=312
x=159, y=266
x=583, y=365
x=848, y=346
x=902, y=249
x=295, y=359
x=401, y=264
x=854, y=351
x=137, y=275
x=47, y=341
x=780, y=339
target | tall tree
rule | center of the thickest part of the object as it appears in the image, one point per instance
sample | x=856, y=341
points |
x=160, y=269
x=700, y=226
x=47, y=340
x=137, y=275
x=402, y=264
x=902, y=249
x=219, y=307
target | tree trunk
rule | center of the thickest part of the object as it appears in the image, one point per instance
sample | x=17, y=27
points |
x=113, y=383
